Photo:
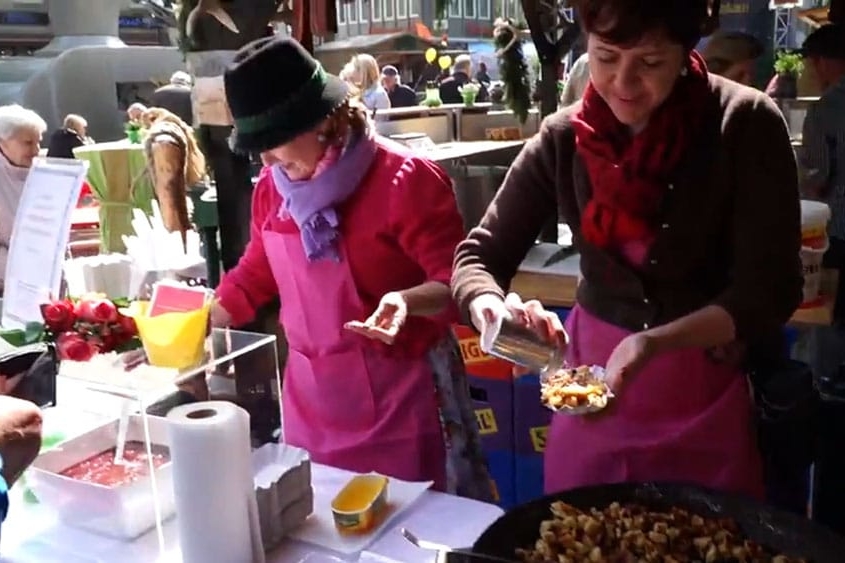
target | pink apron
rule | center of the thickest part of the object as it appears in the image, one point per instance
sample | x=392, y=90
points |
x=683, y=418
x=345, y=403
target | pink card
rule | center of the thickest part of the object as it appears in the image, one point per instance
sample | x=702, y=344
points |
x=176, y=298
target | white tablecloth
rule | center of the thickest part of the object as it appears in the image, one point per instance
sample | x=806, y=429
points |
x=32, y=534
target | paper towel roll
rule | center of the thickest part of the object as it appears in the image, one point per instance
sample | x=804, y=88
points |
x=216, y=511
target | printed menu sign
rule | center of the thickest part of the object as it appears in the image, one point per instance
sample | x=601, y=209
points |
x=39, y=238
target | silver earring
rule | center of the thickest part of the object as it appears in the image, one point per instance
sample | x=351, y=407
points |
x=321, y=138
x=684, y=71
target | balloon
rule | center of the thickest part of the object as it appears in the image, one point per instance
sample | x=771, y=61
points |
x=445, y=62
x=430, y=55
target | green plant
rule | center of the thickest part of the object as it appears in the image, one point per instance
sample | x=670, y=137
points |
x=788, y=63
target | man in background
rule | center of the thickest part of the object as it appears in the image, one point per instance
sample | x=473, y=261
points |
x=482, y=76
x=176, y=97
x=401, y=96
x=823, y=140
x=576, y=81
x=74, y=133
x=461, y=72
x=733, y=54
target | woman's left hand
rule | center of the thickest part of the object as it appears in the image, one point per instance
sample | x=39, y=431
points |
x=629, y=356
x=387, y=320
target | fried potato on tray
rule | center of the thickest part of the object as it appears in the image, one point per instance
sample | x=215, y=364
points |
x=575, y=390
x=634, y=534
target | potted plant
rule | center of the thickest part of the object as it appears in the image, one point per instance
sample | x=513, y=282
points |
x=432, y=95
x=469, y=92
x=788, y=67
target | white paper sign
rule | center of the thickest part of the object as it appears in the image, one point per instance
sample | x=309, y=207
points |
x=39, y=238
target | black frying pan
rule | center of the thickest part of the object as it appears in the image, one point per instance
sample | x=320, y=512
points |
x=783, y=532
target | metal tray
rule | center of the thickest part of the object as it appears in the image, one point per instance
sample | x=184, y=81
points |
x=124, y=512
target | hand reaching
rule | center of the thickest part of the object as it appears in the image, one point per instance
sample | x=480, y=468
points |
x=387, y=320
x=629, y=356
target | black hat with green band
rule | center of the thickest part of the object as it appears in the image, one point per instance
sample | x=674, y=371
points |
x=276, y=91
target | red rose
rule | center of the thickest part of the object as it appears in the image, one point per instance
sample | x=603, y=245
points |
x=58, y=316
x=72, y=346
x=99, y=311
x=126, y=326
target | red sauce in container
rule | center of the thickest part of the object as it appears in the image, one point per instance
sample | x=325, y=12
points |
x=100, y=469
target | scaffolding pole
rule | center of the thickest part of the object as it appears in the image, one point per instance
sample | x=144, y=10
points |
x=783, y=27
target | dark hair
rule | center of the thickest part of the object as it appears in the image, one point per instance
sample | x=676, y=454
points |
x=624, y=22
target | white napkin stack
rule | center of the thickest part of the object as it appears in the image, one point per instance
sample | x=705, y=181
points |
x=158, y=254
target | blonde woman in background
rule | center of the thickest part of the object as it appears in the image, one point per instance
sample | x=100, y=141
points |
x=363, y=73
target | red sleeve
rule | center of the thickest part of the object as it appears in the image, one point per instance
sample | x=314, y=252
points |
x=424, y=215
x=251, y=284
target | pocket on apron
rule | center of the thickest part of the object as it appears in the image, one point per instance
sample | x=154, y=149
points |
x=330, y=391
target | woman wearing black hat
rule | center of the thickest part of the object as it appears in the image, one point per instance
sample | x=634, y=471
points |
x=345, y=223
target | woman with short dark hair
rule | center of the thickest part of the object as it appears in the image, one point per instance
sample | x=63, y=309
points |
x=681, y=191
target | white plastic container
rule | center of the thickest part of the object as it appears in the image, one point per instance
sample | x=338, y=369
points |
x=814, y=218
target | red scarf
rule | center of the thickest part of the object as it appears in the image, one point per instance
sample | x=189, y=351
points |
x=630, y=174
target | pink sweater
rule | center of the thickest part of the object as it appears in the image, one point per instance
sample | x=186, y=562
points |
x=401, y=227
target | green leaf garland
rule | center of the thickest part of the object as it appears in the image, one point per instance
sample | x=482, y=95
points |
x=513, y=68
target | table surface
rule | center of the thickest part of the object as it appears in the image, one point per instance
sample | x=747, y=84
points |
x=32, y=534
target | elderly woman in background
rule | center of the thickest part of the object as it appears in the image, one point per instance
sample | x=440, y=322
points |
x=667, y=176
x=363, y=73
x=347, y=224
x=20, y=421
x=21, y=130
x=733, y=54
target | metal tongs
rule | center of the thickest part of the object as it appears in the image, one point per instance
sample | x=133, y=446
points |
x=446, y=554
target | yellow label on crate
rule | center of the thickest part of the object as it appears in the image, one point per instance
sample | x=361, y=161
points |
x=486, y=421
x=471, y=351
x=538, y=438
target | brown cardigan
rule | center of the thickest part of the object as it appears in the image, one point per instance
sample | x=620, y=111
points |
x=729, y=232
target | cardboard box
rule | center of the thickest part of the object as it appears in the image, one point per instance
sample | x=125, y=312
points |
x=477, y=362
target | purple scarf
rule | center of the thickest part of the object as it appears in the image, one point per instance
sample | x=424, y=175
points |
x=312, y=202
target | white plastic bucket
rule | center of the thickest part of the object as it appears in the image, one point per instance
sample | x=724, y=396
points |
x=811, y=260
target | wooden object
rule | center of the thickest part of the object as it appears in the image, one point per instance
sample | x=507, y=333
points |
x=555, y=286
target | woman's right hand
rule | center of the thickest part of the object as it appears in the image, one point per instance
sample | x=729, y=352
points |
x=219, y=317
x=488, y=308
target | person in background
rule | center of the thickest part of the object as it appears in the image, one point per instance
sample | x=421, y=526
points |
x=733, y=54
x=461, y=72
x=74, y=133
x=576, y=81
x=135, y=111
x=666, y=176
x=364, y=74
x=481, y=75
x=401, y=96
x=21, y=130
x=823, y=140
x=347, y=224
x=176, y=97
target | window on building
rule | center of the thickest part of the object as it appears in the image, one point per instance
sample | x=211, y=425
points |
x=469, y=9
x=401, y=9
x=363, y=7
x=414, y=10
x=389, y=10
x=340, y=7
x=351, y=13
x=455, y=8
x=484, y=10
x=375, y=6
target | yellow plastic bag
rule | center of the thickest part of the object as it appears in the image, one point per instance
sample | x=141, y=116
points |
x=171, y=340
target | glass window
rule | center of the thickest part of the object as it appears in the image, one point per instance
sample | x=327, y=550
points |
x=389, y=10
x=484, y=9
x=469, y=9
x=401, y=9
x=455, y=8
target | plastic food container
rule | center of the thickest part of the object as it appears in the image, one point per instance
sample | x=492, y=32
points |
x=123, y=511
x=360, y=506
